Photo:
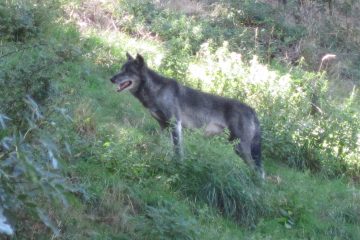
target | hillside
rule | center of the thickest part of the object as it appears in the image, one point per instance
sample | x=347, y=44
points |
x=78, y=160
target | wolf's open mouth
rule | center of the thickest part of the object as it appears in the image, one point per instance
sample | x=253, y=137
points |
x=123, y=85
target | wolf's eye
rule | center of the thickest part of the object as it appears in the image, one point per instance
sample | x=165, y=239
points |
x=126, y=68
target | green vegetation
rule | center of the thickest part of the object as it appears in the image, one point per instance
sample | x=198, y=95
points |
x=79, y=161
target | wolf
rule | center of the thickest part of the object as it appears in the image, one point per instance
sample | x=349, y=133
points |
x=176, y=106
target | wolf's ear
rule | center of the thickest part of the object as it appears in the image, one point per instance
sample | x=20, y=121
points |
x=139, y=60
x=129, y=57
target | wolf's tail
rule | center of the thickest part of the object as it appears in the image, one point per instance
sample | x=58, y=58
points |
x=256, y=148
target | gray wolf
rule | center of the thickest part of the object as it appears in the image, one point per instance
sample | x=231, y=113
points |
x=176, y=106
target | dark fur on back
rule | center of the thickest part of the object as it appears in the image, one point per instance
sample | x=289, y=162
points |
x=168, y=101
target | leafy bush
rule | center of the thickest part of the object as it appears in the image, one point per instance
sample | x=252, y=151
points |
x=30, y=169
x=25, y=72
x=29, y=68
x=17, y=21
x=21, y=21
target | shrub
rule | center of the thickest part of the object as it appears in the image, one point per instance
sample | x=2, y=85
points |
x=30, y=70
x=17, y=21
x=30, y=169
x=21, y=21
x=25, y=72
x=30, y=67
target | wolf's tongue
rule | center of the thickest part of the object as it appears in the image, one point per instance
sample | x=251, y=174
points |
x=123, y=85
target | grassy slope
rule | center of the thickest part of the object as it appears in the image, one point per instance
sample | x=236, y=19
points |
x=309, y=206
x=125, y=173
x=123, y=177
x=134, y=188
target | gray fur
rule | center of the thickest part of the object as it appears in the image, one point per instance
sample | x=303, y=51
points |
x=168, y=101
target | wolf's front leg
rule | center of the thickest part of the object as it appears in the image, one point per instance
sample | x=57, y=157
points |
x=177, y=139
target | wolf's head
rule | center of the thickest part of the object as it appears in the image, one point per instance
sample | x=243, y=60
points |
x=130, y=75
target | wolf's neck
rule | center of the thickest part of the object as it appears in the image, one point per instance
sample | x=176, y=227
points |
x=154, y=80
x=151, y=83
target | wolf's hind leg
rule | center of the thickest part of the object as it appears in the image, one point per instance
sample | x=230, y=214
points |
x=244, y=151
x=243, y=148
